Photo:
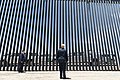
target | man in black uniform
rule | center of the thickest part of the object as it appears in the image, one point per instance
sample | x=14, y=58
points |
x=21, y=62
x=62, y=59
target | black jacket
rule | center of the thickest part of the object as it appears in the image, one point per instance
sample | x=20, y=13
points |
x=22, y=57
x=60, y=52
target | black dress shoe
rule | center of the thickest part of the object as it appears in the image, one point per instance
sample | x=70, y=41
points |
x=64, y=78
x=61, y=78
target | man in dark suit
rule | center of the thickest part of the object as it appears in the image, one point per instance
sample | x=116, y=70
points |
x=21, y=61
x=62, y=59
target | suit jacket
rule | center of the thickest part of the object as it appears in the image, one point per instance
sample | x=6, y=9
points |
x=21, y=57
x=60, y=52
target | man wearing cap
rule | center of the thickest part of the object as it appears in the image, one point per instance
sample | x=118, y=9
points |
x=62, y=59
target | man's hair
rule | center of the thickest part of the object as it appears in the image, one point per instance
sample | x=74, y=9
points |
x=23, y=50
x=62, y=45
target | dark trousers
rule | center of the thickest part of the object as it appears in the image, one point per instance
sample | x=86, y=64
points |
x=62, y=68
x=20, y=66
